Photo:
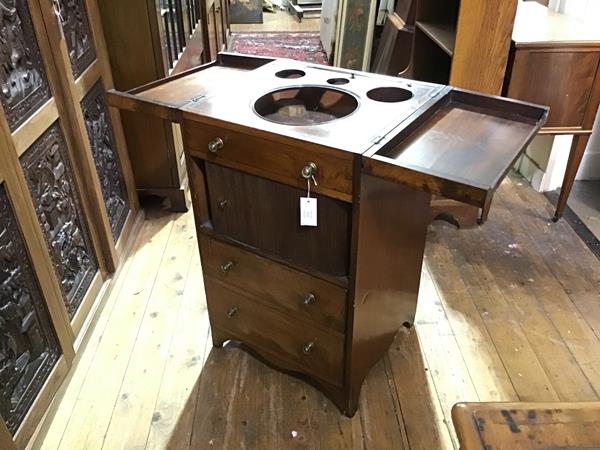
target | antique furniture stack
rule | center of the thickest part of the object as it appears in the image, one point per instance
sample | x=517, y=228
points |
x=263, y=137
x=67, y=204
x=305, y=8
x=161, y=37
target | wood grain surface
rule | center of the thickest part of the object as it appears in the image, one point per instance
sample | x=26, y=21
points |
x=507, y=426
x=276, y=284
x=497, y=304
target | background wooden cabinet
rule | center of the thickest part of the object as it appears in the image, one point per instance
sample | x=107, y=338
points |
x=148, y=40
x=555, y=60
x=66, y=203
x=464, y=43
x=216, y=31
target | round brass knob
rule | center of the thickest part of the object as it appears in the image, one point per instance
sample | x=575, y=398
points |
x=308, y=348
x=310, y=299
x=309, y=170
x=232, y=312
x=215, y=145
x=227, y=266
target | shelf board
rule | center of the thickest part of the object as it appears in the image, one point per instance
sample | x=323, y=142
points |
x=443, y=34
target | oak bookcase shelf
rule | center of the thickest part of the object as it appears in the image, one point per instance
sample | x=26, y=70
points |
x=464, y=43
x=442, y=34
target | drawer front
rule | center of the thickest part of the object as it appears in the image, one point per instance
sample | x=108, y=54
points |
x=272, y=160
x=266, y=215
x=291, y=343
x=291, y=291
x=534, y=78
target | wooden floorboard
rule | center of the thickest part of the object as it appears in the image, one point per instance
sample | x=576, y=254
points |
x=507, y=312
x=278, y=21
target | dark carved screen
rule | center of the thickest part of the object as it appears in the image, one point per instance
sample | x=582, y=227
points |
x=104, y=152
x=22, y=76
x=78, y=35
x=58, y=206
x=28, y=345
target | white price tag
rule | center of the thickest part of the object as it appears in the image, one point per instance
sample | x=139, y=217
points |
x=308, y=212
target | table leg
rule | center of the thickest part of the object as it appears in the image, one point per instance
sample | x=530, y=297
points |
x=575, y=156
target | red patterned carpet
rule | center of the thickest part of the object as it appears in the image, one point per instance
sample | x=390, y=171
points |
x=300, y=46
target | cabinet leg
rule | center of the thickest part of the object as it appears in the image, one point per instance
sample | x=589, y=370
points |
x=352, y=403
x=459, y=214
x=218, y=338
x=575, y=156
x=178, y=201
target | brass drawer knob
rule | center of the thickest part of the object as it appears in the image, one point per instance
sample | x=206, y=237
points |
x=309, y=170
x=308, y=348
x=223, y=204
x=227, y=266
x=232, y=312
x=310, y=299
x=215, y=145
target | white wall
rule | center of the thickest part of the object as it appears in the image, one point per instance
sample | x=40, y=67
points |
x=590, y=165
x=282, y=3
x=588, y=10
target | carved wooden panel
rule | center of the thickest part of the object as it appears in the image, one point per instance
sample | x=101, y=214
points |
x=22, y=77
x=52, y=186
x=78, y=35
x=104, y=152
x=28, y=346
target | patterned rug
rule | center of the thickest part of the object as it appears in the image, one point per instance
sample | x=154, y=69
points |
x=300, y=46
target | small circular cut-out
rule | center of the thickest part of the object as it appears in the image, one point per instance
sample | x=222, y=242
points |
x=290, y=73
x=305, y=105
x=389, y=94
x=338, y=81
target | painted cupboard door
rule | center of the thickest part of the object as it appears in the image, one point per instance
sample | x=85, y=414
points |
x=33, y=121
x=29, y=348
x=35, y=334
x=66, y=199
x=77, y=43
x=51, y=181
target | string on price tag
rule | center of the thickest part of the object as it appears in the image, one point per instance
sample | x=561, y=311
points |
x=308, y=207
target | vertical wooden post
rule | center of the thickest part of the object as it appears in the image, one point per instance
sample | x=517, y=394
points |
x=483, y=37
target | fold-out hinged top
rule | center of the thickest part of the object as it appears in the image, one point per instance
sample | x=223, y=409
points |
x=446, y=141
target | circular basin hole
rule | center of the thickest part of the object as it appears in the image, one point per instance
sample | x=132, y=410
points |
x=338, y=81
x=306, y=105
x=290, y=73
x=389, y=94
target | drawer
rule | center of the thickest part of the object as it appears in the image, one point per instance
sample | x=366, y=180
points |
x=535, y=77
x=291, y=291
x=280, y=337
x=266, y=215
x=272, y=160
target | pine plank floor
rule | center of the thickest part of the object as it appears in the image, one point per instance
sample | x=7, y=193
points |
x=507, y=312
x=278, y=21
